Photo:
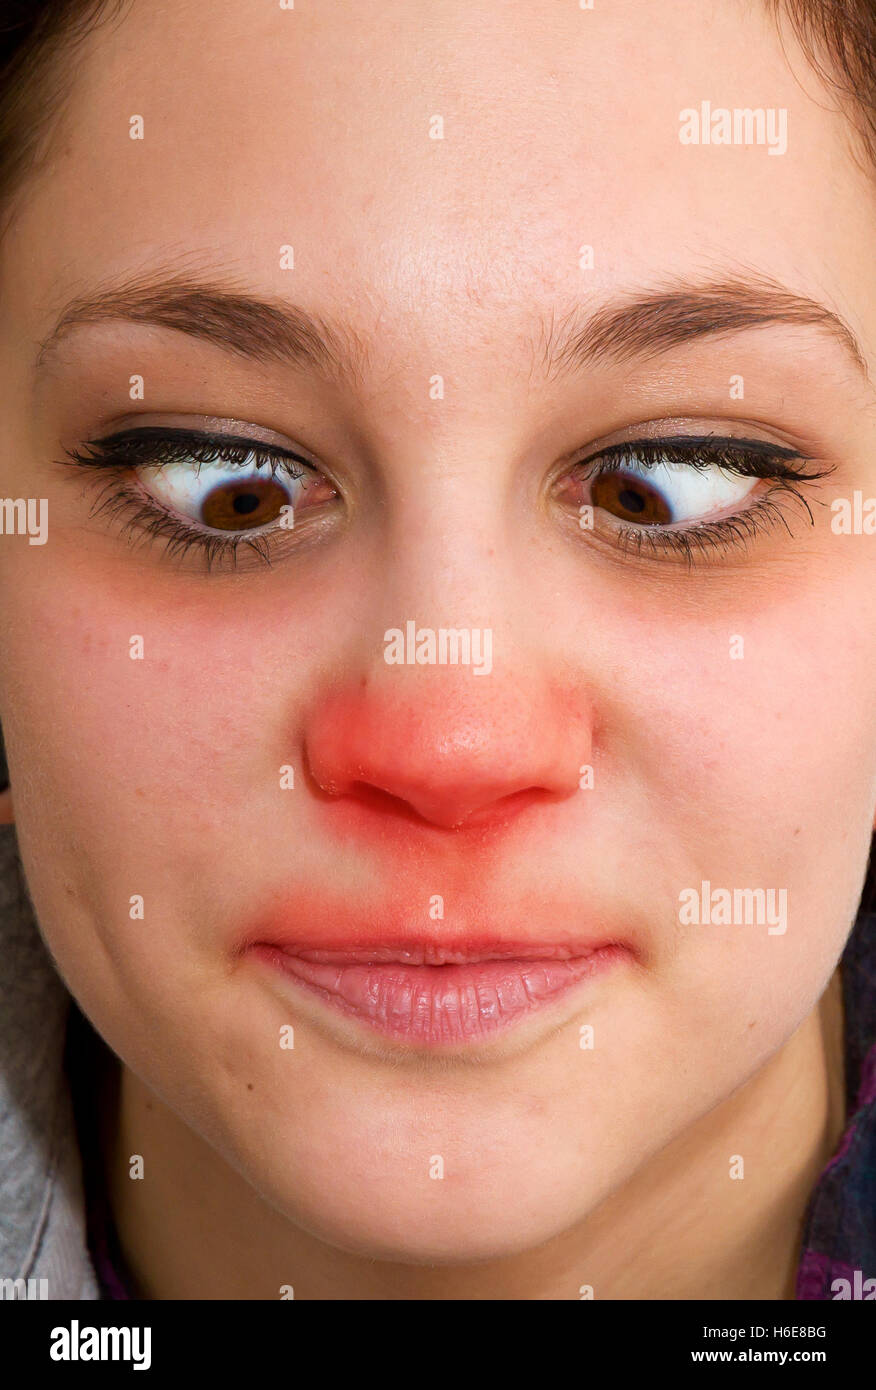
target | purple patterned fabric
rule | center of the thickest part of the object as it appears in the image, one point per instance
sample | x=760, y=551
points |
x=839, y=1235
x=108, y=1263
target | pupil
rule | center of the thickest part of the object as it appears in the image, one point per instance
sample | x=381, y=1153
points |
x=245, y=502
x=633, y=501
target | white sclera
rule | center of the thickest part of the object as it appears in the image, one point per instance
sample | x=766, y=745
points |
x=692, y=494
x=185, y=487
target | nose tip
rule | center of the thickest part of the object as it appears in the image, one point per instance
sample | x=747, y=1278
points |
x=451, y=756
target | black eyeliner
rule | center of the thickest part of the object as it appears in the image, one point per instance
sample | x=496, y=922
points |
x=702, y=441
x=183, y=436
x=157, y=445
x=731, y=453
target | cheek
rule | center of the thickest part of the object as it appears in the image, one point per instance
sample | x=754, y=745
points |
x=113, y=691
x=761, y=727
x=108, y=711
x=129, y=771
x=750, y=764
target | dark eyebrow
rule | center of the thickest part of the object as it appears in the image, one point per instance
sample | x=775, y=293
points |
x=648, y=324
x=261, y=329
x=641, y=325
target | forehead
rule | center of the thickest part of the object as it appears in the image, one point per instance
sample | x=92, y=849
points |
x=438, y=169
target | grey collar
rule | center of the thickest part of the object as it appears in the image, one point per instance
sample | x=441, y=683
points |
x=42, y=1210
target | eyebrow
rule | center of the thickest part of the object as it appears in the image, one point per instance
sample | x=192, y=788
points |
x=263, y=330
x=645, y=325
x=639, y=325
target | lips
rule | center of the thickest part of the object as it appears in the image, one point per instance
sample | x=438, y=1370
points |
x=434, y=994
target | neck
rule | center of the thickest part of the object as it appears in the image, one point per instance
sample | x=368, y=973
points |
x=717, y=1215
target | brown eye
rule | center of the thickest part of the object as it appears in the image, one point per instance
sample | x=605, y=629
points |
x=243, y=506
x=630, y=498
x=223, y=496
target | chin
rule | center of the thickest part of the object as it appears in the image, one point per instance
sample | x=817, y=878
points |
x=427, y=1243
x=439, y=1230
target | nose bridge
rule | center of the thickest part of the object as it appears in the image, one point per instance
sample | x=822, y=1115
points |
x=450, y=570
x=450, y=702
x=451, y=475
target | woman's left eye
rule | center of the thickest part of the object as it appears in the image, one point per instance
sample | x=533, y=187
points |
x=688, y=493
x=665, y=493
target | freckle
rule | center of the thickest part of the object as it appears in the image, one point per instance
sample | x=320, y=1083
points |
x=797, y=831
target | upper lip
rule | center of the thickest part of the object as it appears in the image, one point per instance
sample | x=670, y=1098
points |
x=439, y=952
x=324, y=926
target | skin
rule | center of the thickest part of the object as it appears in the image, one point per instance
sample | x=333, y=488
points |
x=564, y=1168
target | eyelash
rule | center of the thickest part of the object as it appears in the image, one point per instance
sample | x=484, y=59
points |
x=157, y=447
x=747, y=458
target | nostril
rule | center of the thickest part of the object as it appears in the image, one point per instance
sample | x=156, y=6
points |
x=414, y=808
x=450, y=811
x=383, y=801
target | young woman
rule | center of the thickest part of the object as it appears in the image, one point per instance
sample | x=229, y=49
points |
x=438, y=649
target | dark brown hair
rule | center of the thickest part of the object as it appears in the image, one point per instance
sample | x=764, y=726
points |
x=838, y=37
x=33, y=82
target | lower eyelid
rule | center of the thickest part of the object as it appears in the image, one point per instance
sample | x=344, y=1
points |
x=734, y=531
x=778, y=502
x=143, y=520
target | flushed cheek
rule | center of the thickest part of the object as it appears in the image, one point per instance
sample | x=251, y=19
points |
x=771, y=733
x=127, y=697
x=133, y=773
x=760, y=754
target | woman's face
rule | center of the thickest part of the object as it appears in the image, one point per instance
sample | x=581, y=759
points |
x=426, y=186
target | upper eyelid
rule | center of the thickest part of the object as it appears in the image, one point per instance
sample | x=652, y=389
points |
x=767, y=448
x=698, y=443
x=203, y=438
x=753, y=450
x=175, y=444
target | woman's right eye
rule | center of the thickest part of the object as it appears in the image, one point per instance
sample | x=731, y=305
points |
x=233, y=497
x=191, y=488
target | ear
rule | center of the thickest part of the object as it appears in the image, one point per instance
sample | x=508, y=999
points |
x=7, y=815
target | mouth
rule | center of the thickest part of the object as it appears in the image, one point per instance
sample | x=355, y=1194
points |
x=434, y=994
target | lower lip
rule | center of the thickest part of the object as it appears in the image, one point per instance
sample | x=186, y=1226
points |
x=440, y=1005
